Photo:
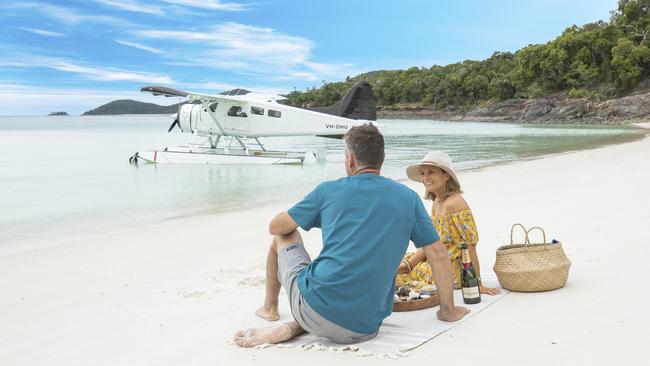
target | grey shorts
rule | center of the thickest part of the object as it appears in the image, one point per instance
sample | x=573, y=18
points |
x=291, y=260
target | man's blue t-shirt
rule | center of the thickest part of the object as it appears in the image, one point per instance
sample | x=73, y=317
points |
x=367, y=221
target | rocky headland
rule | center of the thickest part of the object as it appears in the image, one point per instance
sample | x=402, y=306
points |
x=555, y=109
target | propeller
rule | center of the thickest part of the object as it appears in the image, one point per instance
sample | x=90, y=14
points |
x=177, y=118
x=175, y=123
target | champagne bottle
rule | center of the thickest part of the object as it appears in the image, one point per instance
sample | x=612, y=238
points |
x=469, y=279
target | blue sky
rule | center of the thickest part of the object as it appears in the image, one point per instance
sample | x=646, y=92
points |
x=76, y=55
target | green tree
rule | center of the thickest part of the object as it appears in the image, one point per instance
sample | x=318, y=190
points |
x=629, y=62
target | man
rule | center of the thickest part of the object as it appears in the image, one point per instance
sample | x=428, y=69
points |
x=367, y=221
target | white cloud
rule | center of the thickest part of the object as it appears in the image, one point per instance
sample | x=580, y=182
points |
x=249, y=49
x=91, y=72
x=234, y=39
x=42, y=32
x=304, y=75
x=133, y=6
x=328, y=69
x=209, y=4
x=176, y=35
x=238, y=46
x=13, y=86
x=59, y=13
x=109, y=74
x=140, y=46
x=68, y=16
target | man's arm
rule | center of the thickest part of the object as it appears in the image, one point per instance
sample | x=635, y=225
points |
x=282, y=224
x=436, y=253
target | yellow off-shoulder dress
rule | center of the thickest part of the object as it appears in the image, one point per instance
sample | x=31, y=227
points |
x=453, y=229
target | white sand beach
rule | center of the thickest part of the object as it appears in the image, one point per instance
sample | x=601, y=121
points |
x=173, y=293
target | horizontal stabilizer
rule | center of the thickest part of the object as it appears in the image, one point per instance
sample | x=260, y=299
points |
x=163, y=90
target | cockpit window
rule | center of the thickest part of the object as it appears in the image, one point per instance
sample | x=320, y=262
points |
x=237, y=111
x=276, y=114
x=257, y=110
x=213, y=106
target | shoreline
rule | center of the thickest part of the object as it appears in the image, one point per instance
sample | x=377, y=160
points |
x=430, y=114
x=175, y=292
x=93, y=229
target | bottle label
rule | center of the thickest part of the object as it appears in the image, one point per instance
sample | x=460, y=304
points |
x=471, y=292
x=465, y=256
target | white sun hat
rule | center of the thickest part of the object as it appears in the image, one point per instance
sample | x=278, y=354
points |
x=434, y=158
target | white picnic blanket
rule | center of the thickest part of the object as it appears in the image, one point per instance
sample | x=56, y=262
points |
x=400, y=332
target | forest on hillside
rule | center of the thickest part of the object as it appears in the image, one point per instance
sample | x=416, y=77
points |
x=595, y=61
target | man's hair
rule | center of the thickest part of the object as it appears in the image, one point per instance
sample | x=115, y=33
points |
x=366, y=143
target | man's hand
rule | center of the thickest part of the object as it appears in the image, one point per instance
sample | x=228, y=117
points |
x=453, y=314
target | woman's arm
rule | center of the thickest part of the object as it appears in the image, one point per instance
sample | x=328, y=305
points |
x=456, y=204
x=413, y=261
x=417, y=257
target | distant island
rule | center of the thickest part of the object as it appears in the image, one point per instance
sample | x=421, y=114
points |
x=127, y=106
x=58, y=114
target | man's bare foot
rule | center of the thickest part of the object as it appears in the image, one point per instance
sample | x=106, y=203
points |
x=270, y=313
x=453, y=314
x=255, y=336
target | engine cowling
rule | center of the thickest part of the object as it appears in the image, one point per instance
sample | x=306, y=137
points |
x=194, y=117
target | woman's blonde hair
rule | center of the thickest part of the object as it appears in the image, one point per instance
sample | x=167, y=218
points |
x=452, y=187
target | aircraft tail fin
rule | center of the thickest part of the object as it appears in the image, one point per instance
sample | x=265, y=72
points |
x=357, y=103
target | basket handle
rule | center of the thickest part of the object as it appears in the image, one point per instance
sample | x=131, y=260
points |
x=512, y=231
x=533, y=228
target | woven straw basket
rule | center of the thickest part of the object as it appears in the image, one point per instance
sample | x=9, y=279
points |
x=531, y=267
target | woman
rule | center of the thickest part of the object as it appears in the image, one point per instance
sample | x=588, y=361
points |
x=452, y=218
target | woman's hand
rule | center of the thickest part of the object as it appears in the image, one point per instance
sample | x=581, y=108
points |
x=402, y=269
x=489, y=291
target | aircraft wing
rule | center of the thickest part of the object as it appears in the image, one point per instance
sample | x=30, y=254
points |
x=171, y=92
x=163, y=90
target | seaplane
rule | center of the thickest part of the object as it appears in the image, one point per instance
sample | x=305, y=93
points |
x=226, y=127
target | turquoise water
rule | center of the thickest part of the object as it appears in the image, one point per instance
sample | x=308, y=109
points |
x=63, y=175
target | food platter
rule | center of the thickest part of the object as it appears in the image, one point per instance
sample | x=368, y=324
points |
x=417, y=304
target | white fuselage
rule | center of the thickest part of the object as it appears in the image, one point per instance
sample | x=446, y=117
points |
x=261, y=118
